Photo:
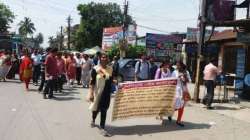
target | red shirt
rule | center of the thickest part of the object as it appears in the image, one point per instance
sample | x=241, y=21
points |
x=51, y=65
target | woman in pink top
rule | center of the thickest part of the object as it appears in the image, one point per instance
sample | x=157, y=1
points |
x=71, y=69
x=61, y=71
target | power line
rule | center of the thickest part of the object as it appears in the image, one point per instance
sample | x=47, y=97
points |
x=165, y=20
x=153, y=29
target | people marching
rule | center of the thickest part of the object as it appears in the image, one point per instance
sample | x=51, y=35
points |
x=51, y=69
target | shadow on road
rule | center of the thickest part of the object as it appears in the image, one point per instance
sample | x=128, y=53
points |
x=11, y=81
x=225, y=108
x=66, y=98
x=151, y=129
x=66, y=93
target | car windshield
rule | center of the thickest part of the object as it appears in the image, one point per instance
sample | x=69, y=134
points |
x=123, y=62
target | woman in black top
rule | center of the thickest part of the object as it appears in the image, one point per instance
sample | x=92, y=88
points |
x=100, y=90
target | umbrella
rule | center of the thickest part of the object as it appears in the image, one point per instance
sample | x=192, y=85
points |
x=92, y=51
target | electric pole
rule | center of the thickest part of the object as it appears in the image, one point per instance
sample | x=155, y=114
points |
x=69, y=19
x=123, y=44
x=61, y=38
x=200, y=45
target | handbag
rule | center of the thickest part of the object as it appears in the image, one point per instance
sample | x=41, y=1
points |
x=186, y=95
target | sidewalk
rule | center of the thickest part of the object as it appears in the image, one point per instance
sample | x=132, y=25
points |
x=240, y=111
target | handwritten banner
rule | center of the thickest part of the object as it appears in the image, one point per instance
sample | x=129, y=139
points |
x=144, y=99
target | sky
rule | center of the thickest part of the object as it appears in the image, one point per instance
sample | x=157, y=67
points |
x=165, y=16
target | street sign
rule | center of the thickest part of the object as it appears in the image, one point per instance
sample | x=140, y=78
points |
x=240, y=70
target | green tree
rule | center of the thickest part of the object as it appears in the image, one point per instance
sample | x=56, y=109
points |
x=131, y=51
x=6, y=17
x=38, y=40
x=27, y=27
x=94, y=17
x=135, y=51
x=114, y=51
x=54, y=42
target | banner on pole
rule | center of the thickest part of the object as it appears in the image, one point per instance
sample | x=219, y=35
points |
x=144, y=99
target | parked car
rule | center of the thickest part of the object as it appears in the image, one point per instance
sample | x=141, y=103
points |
x=126, y=70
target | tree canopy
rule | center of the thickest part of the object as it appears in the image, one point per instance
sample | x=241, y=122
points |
x=26, y=27
x=94, y=17
x=6, y=17
x=38, y=40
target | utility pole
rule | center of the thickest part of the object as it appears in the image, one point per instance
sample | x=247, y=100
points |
x=61, y=38
x=248, y=9
x=123, y=44
x=69, y=19
x=200, y=45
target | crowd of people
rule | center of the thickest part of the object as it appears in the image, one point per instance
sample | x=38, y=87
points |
x=53, y=69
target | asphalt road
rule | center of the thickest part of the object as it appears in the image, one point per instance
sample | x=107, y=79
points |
x=26, y=116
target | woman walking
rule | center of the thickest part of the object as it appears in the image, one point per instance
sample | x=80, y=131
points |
x=71, y=69
x=182, y=94
x=61, y=72
x=100, y=92
x=26, y=69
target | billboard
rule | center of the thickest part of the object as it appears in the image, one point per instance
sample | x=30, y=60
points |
x=160, y=45
x=220, y=10
x=112, y=36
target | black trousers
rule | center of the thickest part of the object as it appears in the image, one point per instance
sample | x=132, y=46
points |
x=42, y=81
x=78, y=74
x=49, y=87
x=208, y=99
x=103, y=117
x=36, y=73
x=59, y=83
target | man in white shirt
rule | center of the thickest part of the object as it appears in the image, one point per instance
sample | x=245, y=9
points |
x=36, y=57
x=87, y=65
x=142, y=69
x=78, y=68
x=210, y=74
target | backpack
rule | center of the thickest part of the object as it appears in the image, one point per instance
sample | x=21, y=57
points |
x=139, y=68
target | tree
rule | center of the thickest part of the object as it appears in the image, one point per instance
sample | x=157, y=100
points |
x=131, y=51
x=6, y=17
x=27, y=27
x=54, y=42
x=94, y=17
x=38, y=40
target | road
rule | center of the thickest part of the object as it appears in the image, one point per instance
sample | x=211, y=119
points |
x=26, y=116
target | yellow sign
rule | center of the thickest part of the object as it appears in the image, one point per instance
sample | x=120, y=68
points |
x=144, y=99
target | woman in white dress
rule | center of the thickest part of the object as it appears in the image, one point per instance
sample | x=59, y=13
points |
x=182, y=94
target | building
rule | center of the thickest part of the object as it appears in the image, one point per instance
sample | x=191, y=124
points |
x=232, y=50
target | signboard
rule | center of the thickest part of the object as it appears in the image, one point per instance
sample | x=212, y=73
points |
x=240, y=70
x=220, y=10
x=160, y=45
x=112, y=36
x=145, y=99
x=194, y=33
x=131, y=34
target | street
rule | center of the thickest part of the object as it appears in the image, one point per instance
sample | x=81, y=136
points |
x=26, y=116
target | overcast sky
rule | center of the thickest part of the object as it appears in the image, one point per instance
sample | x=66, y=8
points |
x=164, y=15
